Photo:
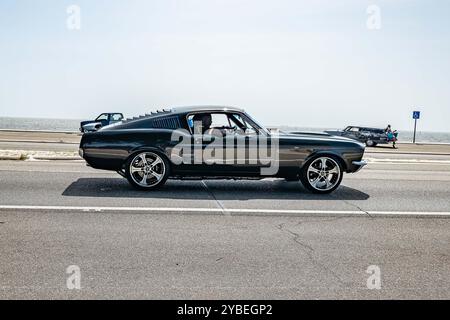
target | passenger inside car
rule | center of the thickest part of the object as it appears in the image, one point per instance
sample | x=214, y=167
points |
x=220, y=124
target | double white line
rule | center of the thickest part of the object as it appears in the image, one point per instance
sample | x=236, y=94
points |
x=229, y=211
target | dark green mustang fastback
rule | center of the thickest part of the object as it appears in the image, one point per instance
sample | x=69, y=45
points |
x=213, y=142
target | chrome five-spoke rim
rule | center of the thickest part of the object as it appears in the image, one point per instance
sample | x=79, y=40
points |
x=147, y=169
x=323, y=173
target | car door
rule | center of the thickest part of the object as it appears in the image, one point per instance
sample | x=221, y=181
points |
x=351, y=132
x=103, y=119
x=247, y=146
x=221, y=150
x=194, y=148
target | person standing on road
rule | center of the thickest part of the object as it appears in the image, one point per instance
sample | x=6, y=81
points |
x=391, y=135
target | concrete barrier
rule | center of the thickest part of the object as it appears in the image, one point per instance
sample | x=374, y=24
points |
x=37, y=155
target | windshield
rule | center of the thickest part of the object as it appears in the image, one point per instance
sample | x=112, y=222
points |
x=263, y=129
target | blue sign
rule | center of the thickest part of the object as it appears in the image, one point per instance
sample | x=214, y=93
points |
x=416, y=114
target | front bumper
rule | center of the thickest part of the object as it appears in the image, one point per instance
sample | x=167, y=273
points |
x=359, y=164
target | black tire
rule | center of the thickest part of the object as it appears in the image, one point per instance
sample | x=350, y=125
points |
x=133, y=177
x=336, y=181
x=370, y=143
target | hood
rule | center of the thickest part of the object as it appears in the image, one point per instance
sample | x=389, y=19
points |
x=309, y=133
x=334, y=132
x=83, y=123
x=90, y=125
x=321, y=136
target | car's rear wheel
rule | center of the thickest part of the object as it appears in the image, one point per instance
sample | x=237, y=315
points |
x=370, y=143
x=147, y=170
x=322, y=174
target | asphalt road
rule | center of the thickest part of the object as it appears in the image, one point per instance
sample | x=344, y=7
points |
x=279, y=242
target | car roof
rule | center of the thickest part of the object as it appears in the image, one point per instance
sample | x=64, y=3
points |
x=183, y=110
x=367, y=128
x=186, y=109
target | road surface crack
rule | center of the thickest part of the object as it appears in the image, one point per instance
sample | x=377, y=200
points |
x=357, y=207
x=296, y=237
x=309, y=251
x=321, y=220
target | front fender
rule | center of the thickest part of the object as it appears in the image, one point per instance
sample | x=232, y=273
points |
x=91, y=126
x=336, y=153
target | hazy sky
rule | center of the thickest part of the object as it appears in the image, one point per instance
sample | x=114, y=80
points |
x=301, y=63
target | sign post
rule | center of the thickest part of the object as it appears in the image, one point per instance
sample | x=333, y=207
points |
x=416, y=116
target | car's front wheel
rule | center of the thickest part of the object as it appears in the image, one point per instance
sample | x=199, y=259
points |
x=322, y=174
x=370, y=143
x=147, y=170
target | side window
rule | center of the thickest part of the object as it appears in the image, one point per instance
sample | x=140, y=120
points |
x=116, y=117
x=226, y=123
x=208, y=121
x=219, y=120
x=354, y=129
x=103, y=116
x=194, y=120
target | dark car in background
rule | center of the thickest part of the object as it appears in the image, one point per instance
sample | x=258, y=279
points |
x=141, y=149
x=370, y=136
x=102, y=120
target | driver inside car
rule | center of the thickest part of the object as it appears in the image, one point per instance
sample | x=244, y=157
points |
x=202, y=125
x=202, y=122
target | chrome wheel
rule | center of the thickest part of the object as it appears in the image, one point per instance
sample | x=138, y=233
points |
x=370, y=143
x=147, y=169
x=323, y=174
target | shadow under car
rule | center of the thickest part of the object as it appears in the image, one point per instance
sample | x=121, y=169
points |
x=202, y=189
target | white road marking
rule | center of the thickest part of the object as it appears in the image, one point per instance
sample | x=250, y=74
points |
x=405, y=161
x=236, y=211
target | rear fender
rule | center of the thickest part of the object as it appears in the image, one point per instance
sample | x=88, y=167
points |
x=133, y=152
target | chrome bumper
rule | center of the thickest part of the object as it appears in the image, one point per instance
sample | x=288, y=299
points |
x=359, y=164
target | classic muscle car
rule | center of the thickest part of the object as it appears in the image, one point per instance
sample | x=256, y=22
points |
x=370, y=136
x=149, y=149
x=102, y=120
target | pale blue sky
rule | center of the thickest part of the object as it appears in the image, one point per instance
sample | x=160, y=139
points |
x=300, y=63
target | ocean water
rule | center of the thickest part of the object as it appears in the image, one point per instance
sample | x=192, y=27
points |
x=39, y=124
x=73, y=125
